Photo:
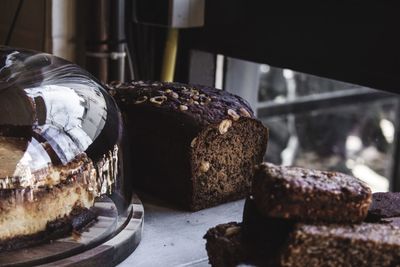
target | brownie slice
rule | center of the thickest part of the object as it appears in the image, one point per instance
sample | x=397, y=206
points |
x=224, y=245
x=310, y=195
x=365, y=244
x=384, y=205
x=194, y=145
x=226, y=248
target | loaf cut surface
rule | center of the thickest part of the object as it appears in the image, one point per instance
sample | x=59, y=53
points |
x=193, y=145
x=310, y=195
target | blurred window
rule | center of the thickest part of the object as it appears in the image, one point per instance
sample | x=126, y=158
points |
x=319, y=123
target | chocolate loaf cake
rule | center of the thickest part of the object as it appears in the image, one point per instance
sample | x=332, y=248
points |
x=193, y=145
x=364, y=244
x=310, y=195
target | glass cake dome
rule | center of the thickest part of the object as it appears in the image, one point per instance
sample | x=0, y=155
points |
x=61, y=137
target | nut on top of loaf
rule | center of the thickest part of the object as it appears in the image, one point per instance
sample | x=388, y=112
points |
x=208, y=105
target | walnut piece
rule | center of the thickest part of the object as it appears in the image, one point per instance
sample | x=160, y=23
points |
x=204, y=166
x=233, y=114
x=193, y=143
x=245, y=113
x=183, y=107
x=158, y=99
x=230, y=231
x=141, y=99
x=224, y=126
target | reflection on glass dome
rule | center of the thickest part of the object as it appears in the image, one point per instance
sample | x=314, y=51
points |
x=60, y=136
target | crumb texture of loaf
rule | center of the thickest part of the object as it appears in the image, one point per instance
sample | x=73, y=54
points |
x=310, y=195
x=194, y=145
x=364, y=244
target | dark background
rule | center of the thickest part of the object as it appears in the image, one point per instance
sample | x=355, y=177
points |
x=352, y=41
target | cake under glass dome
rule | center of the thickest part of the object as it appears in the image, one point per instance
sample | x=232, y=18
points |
x=61, y=153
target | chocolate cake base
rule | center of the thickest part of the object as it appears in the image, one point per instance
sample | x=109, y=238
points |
x=78, y=219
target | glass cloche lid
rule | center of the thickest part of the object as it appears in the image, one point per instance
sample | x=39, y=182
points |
x=60, y=141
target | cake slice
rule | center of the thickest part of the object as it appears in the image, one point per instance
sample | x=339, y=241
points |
x=362, y=245
x=226, y=248
x=310, y=195
x=256, y=241
x=262, y=241
x=224, y=245
x=365, y=244
x=193, y=145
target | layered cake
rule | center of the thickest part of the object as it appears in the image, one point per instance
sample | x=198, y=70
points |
x=193, y=145
x=32, y=203
x=59, y=147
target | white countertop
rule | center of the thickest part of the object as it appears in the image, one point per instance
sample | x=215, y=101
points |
x=175, y=238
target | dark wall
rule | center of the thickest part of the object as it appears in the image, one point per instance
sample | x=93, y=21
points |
x=30, y=28
x=353, y=41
